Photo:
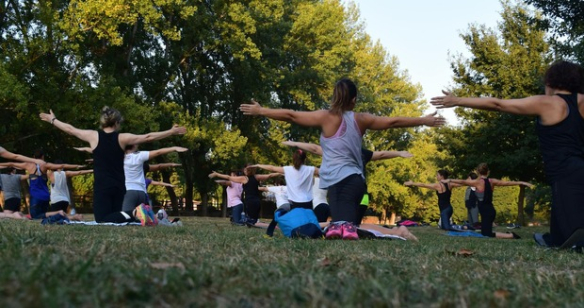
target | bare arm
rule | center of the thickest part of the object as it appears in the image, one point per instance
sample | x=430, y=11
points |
x=24, y=177
x=263, y=188
x=304, y=118
x=163, y=151
x=163, y=166
x=534, y=105
x=269, y=168
x=84, y=149
x=236, y=179
x=223, y=182
x=89, y=136
x=157, y=183
x=51, y=166
x=308, y=147
x=264, y=177
x=16, y=165
x=369, y=121
x=434, y=186
x=76, y=173
x=497, y=182
x=473, y=183
x=126, y=139
x=379, y=155
x=9, y=155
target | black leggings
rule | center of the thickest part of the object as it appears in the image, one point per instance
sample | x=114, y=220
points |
x=344, y=198
x=488, y=214
x=252, y=209
x=107, y=205
x=567, y=208
x=302, y=205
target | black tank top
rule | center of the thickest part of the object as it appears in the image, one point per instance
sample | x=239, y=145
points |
x=251, y=189
x=562, y=144
x=488, y=193
x=444, y=198
x=108, y=162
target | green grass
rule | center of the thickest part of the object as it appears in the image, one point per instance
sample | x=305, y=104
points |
x=208, y=262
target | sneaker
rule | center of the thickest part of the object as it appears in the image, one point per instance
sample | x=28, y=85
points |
x=513, y=226
x=334, y=231
x=540, y=239
x=151, y=215
x=146, y=216
x=349, y=231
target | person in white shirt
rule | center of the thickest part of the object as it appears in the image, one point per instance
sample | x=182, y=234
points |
x=281, y=194
x=60, y=197
x=134, y=174
x=299, y=180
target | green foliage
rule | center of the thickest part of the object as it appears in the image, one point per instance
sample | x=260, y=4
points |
x=565, y=20
x=505, y=64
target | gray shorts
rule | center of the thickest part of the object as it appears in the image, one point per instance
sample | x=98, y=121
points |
x=132, y=199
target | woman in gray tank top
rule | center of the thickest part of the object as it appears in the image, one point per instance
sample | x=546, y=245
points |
x=341, y=137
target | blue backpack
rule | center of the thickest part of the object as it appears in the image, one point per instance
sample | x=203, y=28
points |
x=298, y=222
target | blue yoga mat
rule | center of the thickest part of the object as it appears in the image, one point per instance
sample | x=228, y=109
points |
x=465, y=234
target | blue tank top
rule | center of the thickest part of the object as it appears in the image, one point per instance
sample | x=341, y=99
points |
x=562, y=144
x=38, y=185
x=444, y=198
x=341, y=153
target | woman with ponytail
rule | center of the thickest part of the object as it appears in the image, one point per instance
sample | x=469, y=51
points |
x=342, y=130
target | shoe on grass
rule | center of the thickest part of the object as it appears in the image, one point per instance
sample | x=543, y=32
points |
x=349, y=231
x=334, y=231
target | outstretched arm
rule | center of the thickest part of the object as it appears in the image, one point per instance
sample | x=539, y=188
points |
x=379, y=155
x=497, y=182
x=89, y=136
x=163, y=151
x=533, y=105
x=304, y=118
x=76, y=173
x=265, y=177
x=51, y=166
x=157, y=183
x=308, y=147
x=9, y=155
x=84, y=149
x=269, y=168
x=163, y=166
x=16, y=165
x=369, y=121
x=434, y=186
x=127, y=139
x=236, y=179
x=223, y=182
x=473, y=183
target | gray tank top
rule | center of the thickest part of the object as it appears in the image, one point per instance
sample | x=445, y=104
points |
x=11, y=185
x=341, y=153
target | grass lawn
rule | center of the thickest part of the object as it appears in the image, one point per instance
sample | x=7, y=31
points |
x=208, y=262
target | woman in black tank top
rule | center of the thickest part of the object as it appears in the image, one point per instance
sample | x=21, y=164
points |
x=485, y=186
x=443, y=191
x=251, y=192
x=560, y=128
x=108, y=146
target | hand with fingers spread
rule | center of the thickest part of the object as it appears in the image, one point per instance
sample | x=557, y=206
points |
x=48, y=117
x=434, y=121
x=251, y=109
x=179, y=130
x=448, y=100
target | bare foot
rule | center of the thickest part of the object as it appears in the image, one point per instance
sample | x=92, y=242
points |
x=405, y=233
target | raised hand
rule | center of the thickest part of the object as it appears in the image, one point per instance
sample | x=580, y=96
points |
x=251, y=109
x=434, y=121
x=448, y=100
x=47, y=117
x=408, y=183
x=179, y=130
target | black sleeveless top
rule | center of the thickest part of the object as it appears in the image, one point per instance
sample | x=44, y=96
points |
x=488, y=193
x=252, y=193
x=108, y=162
x=562, y=144
x=444, y=198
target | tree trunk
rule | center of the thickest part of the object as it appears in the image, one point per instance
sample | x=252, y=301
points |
x=392, y=219
x=204, y=204
x=170, y=191
x=224, y=202
x=520, y=202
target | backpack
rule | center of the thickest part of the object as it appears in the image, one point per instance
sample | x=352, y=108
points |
x=296, y=223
